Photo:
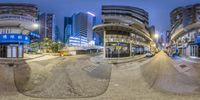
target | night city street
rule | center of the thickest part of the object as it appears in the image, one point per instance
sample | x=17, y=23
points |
x=99, y=50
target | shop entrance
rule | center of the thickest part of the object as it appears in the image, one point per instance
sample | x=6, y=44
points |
x=14, y=51
x=194, y=51
x=3, y=51
x=117, y=50
x=11, y=51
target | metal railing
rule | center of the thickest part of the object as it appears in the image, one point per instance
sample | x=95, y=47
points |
x=17, y=18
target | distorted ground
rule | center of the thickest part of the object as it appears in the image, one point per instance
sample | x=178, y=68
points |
x=156, y=78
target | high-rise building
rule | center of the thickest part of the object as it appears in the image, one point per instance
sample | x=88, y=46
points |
x=47, y=26
x=78, y=29
x=67, y=29
x=57, y=33
x=168, y=36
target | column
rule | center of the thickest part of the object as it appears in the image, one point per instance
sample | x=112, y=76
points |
x=104, y=41
x=130, y=48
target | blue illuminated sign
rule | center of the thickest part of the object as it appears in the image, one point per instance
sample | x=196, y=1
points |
x=32, y=34
x=197, y=38
x=14, y=38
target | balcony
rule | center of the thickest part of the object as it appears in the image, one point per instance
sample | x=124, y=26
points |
x=25, y=22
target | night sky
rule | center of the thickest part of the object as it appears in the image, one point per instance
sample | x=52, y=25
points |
x=158, y=9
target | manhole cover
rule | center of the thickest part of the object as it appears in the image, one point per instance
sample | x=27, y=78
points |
x=11, y=64
x=98, y=62
x=183, y=66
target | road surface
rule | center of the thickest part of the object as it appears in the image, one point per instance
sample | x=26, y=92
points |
x=172, y=75
x=157, y=78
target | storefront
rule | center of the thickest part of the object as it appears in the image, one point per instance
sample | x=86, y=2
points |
x=117, y=49
x=194, y=51
x=12, y=45
x=195, y=47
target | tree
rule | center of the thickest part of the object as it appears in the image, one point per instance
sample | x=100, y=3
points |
x=49, y=46
x=55, y=47
x=46, y=45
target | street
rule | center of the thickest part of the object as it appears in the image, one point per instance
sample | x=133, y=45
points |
x=99, y=50
x=62, y=77
x=143, y=79
x=173, y=76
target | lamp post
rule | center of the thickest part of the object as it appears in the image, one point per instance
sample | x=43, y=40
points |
x=37, y=26
x=156, y=36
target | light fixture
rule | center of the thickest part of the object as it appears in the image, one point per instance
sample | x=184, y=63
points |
x=91, y=14
x=35, y=25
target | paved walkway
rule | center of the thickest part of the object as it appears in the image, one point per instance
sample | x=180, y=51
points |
x=100, y=59
x=126, y=84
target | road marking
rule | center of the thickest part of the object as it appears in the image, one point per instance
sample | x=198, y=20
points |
x=181, y=69
x=89, y=68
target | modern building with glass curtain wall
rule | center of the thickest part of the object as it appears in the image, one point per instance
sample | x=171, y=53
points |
x=125, y=31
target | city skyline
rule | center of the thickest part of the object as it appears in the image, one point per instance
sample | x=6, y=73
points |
x=156, y=9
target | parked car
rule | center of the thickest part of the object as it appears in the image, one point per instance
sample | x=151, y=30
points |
x=149, y=54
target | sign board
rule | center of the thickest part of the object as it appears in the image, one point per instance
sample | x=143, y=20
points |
x=35, y=35
x=14, y=38
x=197, y=38
x=118, y=47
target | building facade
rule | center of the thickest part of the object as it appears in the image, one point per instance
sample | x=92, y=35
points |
x=125, y=31
x=78, y=30
x=47, y=26
x=68, y=26
x=185, y=30
x=16, y=22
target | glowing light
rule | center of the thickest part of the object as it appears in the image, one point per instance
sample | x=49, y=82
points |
x=156, y=36
x=36, y=25
x=91, y=14
x=163, y=44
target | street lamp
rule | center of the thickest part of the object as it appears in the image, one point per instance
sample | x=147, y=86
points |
x=36, y=26
x=163, y=44
x=156, y=36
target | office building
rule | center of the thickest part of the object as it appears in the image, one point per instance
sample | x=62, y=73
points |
x=78, y=29
x=47, y=26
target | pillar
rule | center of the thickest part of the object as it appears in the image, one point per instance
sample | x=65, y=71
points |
x=104, y=41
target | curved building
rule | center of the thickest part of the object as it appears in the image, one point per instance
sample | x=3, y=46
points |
x=125, y=31
x=185, y=30
x=16, y=22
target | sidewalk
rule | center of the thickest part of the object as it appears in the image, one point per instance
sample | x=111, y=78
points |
x=32, y=56
x=101, y=59
x=186, y=66
x=40, y=57
x=189, y=59
x=27, y=58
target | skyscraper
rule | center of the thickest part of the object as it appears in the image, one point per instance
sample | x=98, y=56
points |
x=67, y=29
x=57, y=33
x=78, y=29
x=47, y=26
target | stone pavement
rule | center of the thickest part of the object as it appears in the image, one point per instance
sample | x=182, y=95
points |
x=101, y=59
x=126, y=84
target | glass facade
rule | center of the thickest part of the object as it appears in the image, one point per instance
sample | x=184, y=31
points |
x=11, y=51
x=117, y=49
